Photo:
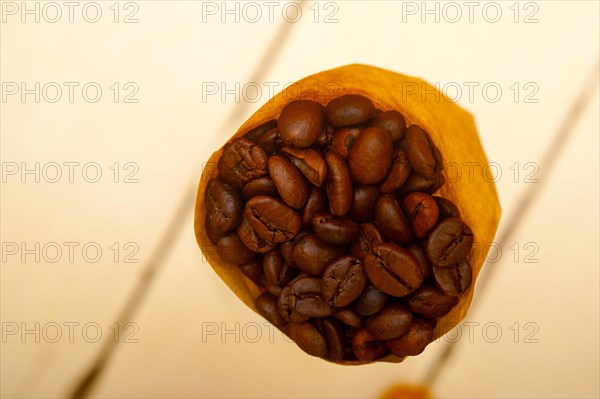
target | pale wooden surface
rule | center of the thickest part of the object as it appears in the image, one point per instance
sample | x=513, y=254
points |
x=171, y=131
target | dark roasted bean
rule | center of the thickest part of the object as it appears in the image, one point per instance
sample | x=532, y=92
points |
x=309, y=162
x=271, y=219
x=364, y=199
x=366, y=347
x=449, y=242
x=317, y=202
x=430, y=302
x=302, y=299
x=308, y=338
x=242, y=160
x=368, y=237
x=260, y=186
x=453, y=280
x=393, y=270
x=256, y=133
x=301, y=122
x=290, y=183
x=371, y=301
x=251, y=240
x=336, y=230
x=446, y=208
x=413, y=342
x=344, y=139
x=424, y=156
x=343, y=281
x=339, y=185
x=312, y=256
x=391, y=220
x=393, y=122
x=393, y=321
x=231, y=249
x=421, y=212
x=370, y=157
x=223, y=206
x=348, y=110
x=267, y=306
x=399, y=172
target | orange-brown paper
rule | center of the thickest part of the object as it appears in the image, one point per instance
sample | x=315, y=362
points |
x=452, y=130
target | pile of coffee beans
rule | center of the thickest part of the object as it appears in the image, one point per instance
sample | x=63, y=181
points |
x=330, y=210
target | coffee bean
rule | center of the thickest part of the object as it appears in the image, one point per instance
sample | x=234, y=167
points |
x=213, y=235
x=344, y=139
x=301, y=122
x=417, y=252
x=430, y=302
x=260, y=186
x=416, y=182
x=325, y=138
x=393, y=122
x=335, y=230
x=339, y=185
x=267, y=306
x=308, y=338
x=271, y=142
x=290, y=183
x=231, y=249
x=391, y=220
x=271, y=288
x=343, y=281
x=302, y=298
x=366, y=347
x=453, y=280
x=413, y=342
x=368, y=237
x=252, y=270
x=393, y=270
x=371, y=301
x=393, y=321
x=309, y=162
x=333, y=332
x=364, y=199
x=251, y=240
x=370, y=158
x=424, y=156
x=312, y=256
x=421, y=212
x=287, y=249
x=446, y=208
x=316, y=203
x=275, y=268
x=271, y=219
x=348, y=316
x=449, y=242
x=242, y=160
x=256, y=133
x=399, y=172
x=348, y=110
x=223, y=205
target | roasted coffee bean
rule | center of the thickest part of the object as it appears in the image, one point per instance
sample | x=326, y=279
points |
x=273, y=289
x=312, y=256
x=333, y=332
x=421, y=212
x=430, y=302
x=223, y=206
x=242, y=160
x=339, y=185
x=231, y=249
x=416, y=182
x=368, y=237
x=287, y=249
x=453, y=280
x=275, y=268
x=251, y=240
x=213, y=235
x=366, y=347
x=348, y=110
x=256, y=133
x=271, y=142
x=424, y=156
x=308, y=338
x=393, y=122
x=393, y=270
x=290, y=183
x=343, y=281
x=267, y=306
x=371, y=301
x=446, y=208
x=344, y=139
x=413, y=342
x=309, y=162
x=393, y=321
x=316, y=203
x=364, y=199
x=335, y=230
x=399, y=172
x=301, y=122
x=261, y=186
x=370, y=157
x=302, y=298
x=348, y=316
x=417, y=252
x=253, y=270
x=271, y=219
x=449, y=242
x=391, y=220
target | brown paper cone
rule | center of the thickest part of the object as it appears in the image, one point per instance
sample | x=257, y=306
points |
x=452, y=130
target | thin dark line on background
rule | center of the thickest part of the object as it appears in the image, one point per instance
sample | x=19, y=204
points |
x=85, y=383
x=528, y=198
